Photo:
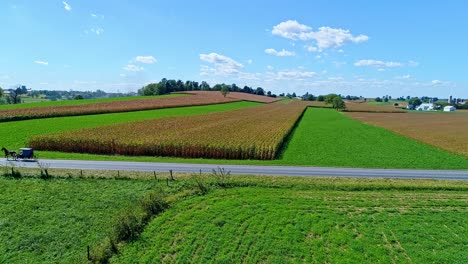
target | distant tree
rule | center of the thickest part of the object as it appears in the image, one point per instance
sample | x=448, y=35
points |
x=329, y=98
x=293, y=95
x=378, y=99
x=224, y=90
x=259, y=91
x=338, y=103
x=385, y=99
x=78, y=97
x=281, y=94
x=1, y=92
x=15, y=94
x=204, y=86
x=408, y=97
x=35, y=94
x=415, y=101
x=320, y=98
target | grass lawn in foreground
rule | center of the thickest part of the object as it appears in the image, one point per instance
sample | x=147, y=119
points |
x=29, y=104
x=53, y=221
x=310, y=221
x=14, y=135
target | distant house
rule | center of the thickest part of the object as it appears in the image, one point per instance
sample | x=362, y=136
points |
x=410, y=107
x=426, y=107
x=449, y=108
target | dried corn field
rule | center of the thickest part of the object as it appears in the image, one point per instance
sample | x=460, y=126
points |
x=256, y=133
x=194, y=99
x=238, y=96
x=447, y=131
x=352, y=106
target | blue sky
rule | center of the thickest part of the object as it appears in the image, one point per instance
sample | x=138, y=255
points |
x=369, y=48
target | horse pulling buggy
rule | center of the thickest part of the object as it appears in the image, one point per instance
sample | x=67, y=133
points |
x=24, y=154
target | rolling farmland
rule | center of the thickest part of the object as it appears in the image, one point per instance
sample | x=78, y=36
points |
x=119, y=106
x=236, y=96
x=448, y=131
x=240, y=134
x=25, y=129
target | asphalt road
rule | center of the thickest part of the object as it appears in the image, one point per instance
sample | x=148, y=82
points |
x=245, y=169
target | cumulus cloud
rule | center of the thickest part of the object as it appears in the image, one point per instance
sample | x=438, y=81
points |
x=133, y=68
x=41, y=62
x=146, y=59
x=282, y=53
x=97, y=30
x=291, y=29
x=222, y=65
x=291, y=74
x=325, y=37
x=378, y=64
x=66, y=6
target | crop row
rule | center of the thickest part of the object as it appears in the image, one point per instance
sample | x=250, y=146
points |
x=114, y=107
x=256, y=133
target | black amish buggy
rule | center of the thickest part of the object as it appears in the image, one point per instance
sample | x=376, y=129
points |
x=26, y=153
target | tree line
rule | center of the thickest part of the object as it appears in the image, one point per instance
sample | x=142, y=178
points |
x=166, y=86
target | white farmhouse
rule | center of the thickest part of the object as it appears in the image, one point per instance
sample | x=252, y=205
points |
x=426, y=107
x=449, y=108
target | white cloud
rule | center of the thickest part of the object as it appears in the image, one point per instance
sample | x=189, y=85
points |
x=97, y=16
x=97, y=30
x=66, y=6
x=378, y=64
x=133, y=68
x=269, y=67
x=311, y=48
x=403, y=77
x=222, y=65
x=325, y=37
x=249, y=61
x=123, y=75
x=146, y=59
x=291, y=29
x=436, y=82
x=282, y=53
x=41, y=62
x=292, y=74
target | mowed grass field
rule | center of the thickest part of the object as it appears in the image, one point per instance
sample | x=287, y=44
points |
x=14, y=135
x=53, y=221
x=311, y=221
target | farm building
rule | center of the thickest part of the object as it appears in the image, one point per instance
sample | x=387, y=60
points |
x=426, y=107
x=449, y=108
x=410, y=107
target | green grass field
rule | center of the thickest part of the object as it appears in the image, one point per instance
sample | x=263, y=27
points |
x=328, y=138
x=311, y=221
x=53, y=221
x=14, y=135
x=33, y=103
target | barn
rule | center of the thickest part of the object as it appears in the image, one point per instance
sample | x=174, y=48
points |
x=449, y=108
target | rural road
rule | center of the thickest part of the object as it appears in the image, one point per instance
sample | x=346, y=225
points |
x=246, y=169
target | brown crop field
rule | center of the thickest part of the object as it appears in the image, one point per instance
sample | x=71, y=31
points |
x=352, y=106
x=240, y=134
x=195, y=99
x=239, y=96
x=448, y=131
